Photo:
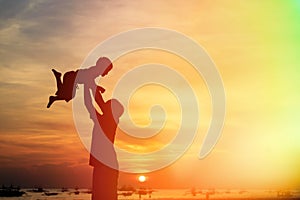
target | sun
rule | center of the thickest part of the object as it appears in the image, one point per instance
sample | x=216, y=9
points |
x=142, y=178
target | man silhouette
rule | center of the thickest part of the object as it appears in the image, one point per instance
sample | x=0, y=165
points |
x=103, y=156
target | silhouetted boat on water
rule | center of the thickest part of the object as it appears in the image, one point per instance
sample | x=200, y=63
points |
x=126, y=191
x=10, y=191
x=126, y=194
x=284, y=194
x=129, y=191
x=88, y=191
x=51, y=193
x=193, y=191
x=76, y=192
x=144, y=191
x=64, y=189
x=37, y=190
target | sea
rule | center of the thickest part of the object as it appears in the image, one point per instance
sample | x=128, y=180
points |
x=163, y=194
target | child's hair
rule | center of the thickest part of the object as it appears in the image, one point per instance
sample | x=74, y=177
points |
x=104, y=63
x=102, y=67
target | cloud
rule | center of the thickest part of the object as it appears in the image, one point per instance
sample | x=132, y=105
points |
x=27, y=150
x=12, y=9
x=37, y=18
x=49, y=175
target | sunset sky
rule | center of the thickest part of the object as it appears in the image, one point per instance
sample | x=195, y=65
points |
x=254, y=44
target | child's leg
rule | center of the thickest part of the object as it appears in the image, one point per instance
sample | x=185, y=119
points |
x=58, y=80
x=52, y=99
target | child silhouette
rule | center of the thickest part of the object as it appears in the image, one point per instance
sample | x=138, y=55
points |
x=66, y=90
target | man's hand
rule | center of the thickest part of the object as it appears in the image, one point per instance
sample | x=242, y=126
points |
x=101, y=89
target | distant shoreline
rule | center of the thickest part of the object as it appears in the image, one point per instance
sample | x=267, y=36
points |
x=266, y=198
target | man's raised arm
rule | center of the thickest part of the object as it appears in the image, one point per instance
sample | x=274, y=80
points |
x=99, y=98
x=88, y=102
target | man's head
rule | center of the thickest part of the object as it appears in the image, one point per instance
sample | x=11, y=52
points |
x=104, y=63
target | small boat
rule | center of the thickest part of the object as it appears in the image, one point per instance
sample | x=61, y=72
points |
x=76, y=192
x=193, y=191
x=243, y=191
x=88, y=191
x=37, y=190
x=64, y=189
x=126, y=193
x=144, y=191
x=51, y=193
x=10, y=191
x=284, y=194
x=127, y=188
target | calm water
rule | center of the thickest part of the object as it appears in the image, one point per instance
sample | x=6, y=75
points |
x=163, y=194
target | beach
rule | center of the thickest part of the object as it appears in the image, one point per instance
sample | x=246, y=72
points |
x=162, y=194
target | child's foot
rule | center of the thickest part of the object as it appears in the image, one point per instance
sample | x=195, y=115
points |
x=51, y=100
x=56, y=73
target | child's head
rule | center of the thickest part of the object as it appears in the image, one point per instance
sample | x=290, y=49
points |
x=105, y=65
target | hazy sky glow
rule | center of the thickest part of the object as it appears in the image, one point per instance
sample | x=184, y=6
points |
x=254, y=44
